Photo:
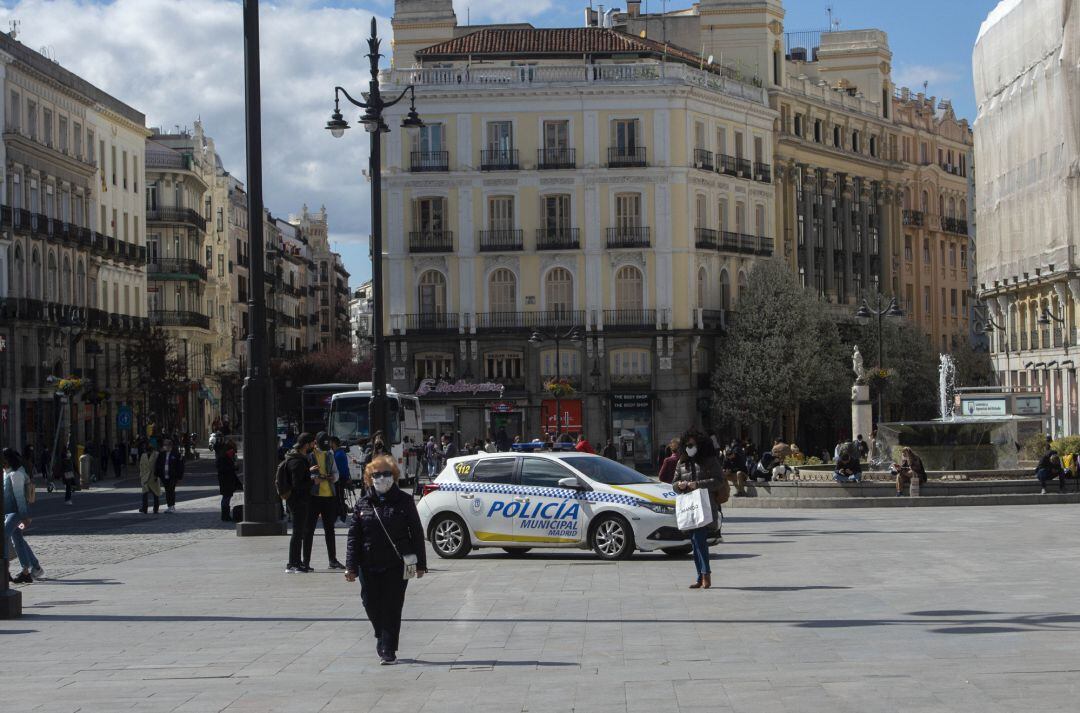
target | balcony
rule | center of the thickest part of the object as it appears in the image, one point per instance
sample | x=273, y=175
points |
x=175, y=269
x=508, y=240
x=914, y=217
x=632, y=381
x=543, y=319
x=432, y=322
x=733, y=166
x=954, y=225
x=170, y=318
x=628, y=237
x=431, y=241
x=552, y=159
x=429, y=161
x=626, y=157
x=499, y=160
x=629, y=319
x=703, y=159
x=762, y=172
x=705, y=239
x=186, y=216
x=557, y=239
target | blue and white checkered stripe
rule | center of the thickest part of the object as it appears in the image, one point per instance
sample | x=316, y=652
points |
x=504, y=489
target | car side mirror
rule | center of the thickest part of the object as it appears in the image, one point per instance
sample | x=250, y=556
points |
x=571, y=483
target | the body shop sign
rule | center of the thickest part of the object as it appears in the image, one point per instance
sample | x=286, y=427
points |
x=459, y=388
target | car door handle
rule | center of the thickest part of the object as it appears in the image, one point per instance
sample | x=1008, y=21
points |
x=520, y=499
x=467, y=496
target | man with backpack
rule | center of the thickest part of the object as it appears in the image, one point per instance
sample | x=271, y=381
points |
x=294, y=480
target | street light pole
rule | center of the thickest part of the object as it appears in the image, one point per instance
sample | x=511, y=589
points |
x=536, y=340
x=879, y=311
x=987, y=326
x=261, y=507
x=374, y=107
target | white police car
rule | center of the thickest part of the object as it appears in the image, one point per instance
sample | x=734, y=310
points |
x=518, y=501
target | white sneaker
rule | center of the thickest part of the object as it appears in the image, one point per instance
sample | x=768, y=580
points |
x=37, y=573
x=1043, y=492
x=68, y=503
x=170, y=509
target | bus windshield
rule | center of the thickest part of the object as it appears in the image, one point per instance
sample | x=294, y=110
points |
x=349, y=419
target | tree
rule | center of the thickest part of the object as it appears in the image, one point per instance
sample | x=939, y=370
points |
x=326, y=366
x=910, y=392
x=973, y=366
x=162, y=371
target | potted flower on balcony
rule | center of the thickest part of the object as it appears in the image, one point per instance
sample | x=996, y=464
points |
x=559, y=388
x=881, y=378
x=70, y=386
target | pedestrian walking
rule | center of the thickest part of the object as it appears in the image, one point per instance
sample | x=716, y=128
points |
x=449, y=448
x=698, y=467
x=583, y=445
x=298, y=478
x=341, y=462
x=17, y=497
x=148, y=478
x=385, y=549
x=228, y=480
x=324, y=502
x=431, y=457
x=668, y=465
x=64, y=471
x=119, y=455
x=170, y=471
x=609, y=451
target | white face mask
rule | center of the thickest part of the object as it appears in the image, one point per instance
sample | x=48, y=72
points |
x=382, y=483
x=691, y=451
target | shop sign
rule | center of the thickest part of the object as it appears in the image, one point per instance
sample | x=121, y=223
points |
x=631, y=400
x=1027, y=405
x=503, y=407
x=440, y=387
x=983, y=407
x=570, y=415
x=437, y=414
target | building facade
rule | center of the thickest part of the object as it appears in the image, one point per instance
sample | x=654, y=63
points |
x=360, y=311
x=72, y=255
x=600, y=191
x=329, y=304
x=1026, y=66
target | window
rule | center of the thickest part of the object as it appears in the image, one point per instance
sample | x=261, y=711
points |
x=721, y=220
x=701, y=218
x=570, y=363
x=725, y=291
x=624, y=136
x=740, y=217
x=627, y=210
x=503, y=365
x=873, y=146
x=432, y=293
x=52, y=279
x=923, y=153
x=124, y=163
x=629, y=288
x=924, y=204
x=559, y=290
x=47, y=133
x=434, y=365
x=738, y=145
x=500, y=138
x=926, y=252
x=837, y=137
x=927, y=306
x=699, y=136
x=952, y=255
x=963, y=257
x=65, y=282
x=90, y=146
x=759, y=220
x=556, y=214
x=502, y=291
x=817, y=130
x=493, y=470
x=542, y=473
x=430, y=139
x=702, y=288
x=15, y=112
x=907, y=248
x=856, y=144
x=556, y=137
x=952, y=302
x=112, y=167
x=501, y=213
x=63, y=134
x=630, y=362
x=428, y=215
x=798, y=125
x=31, y=119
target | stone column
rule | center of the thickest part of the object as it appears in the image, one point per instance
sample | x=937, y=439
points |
x=865, y=197
x=886, y=208
x=809, y=188
x=847, y=235
x=828, y=190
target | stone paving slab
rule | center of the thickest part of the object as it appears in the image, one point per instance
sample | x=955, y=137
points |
x=911, y=609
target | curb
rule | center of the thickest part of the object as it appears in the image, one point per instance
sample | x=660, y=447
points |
x=894, y=502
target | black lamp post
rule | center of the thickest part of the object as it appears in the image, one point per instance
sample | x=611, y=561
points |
x=538, y=337
x=372, y=119
x=987, y=325
x=879, y=310
x=261, y=505
x=1045, y=320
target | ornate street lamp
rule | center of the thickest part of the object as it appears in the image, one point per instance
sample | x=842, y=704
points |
x=374, y=107
x=538, y=337
x=879, y=310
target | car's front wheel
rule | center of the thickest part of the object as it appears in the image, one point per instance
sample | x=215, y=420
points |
x=612, y=538
x=449, y=537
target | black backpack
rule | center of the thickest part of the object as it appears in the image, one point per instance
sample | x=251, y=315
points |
x=282, y=480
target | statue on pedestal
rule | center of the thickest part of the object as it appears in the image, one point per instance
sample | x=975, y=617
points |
x=857, y=366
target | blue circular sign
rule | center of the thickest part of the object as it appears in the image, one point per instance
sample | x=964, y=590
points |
x=123, y=417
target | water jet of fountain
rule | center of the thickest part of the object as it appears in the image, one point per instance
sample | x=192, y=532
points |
x=946, y=386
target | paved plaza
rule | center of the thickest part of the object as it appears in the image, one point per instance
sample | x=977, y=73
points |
x=923, y=609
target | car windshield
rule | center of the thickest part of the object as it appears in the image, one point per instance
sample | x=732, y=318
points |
x=349, y=419
x=606, y=471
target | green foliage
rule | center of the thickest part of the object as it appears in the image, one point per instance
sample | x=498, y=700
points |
x=973, y=366
x=1034, y=446
x=911, y=391
x=1068, y=444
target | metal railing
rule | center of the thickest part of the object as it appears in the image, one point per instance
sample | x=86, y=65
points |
x=705, y=239
x=429, y=161
x=170, y=318
x=431, y=241
x=186, y=216
x=615, y=318
x=913, y=217
x=530, y=320
x=499, y=160
x=703, y=159
x=165, y=267
x=628, y=237
x=631, y=380
x=501, y=240
x=762, y=172
x=626, y=157
x=554, y=158
x=432, y=322
x=558, y=239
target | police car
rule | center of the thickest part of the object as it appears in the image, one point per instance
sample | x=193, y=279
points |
x=518, y=501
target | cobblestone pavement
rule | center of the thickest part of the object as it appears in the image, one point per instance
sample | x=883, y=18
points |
x=937, y=609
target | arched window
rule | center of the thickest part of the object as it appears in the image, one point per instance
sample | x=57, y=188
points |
x=65, y=282
x=502, y=291
x=432, y=293
x=701, y=213
x=35, y=275
x=702, y=288
x=51, y=281
x=952, y=207
x=80, y=284
x=559, y=290
x=20, y=272
x=742, y=284
x=725, y=291
x=941, y=205
x=629, y=288
x=906, y=197
x=924, y=206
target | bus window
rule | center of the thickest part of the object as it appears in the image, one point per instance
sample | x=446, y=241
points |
x=349, y=419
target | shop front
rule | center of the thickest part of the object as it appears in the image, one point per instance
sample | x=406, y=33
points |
x=505, y=421
x=465, y=409
x=569, y=419
x=631, y=426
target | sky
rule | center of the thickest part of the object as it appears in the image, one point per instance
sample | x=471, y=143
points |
x=182, y=60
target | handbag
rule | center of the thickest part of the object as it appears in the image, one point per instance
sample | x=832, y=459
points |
x=408, y=560
x=693, y=509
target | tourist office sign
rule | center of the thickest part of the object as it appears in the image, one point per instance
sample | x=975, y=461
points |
x=984, y=407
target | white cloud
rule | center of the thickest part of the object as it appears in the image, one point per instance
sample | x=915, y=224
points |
x=479, y=11
x=912, y=76
x=180, y=61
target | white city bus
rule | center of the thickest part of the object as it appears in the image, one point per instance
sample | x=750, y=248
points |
x=404, y=429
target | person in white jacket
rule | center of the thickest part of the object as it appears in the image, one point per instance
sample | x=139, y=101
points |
x=17, y=516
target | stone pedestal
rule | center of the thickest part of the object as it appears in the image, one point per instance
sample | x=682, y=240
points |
x=862, y=413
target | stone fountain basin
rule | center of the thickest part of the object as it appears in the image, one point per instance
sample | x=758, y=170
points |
x=817, y=482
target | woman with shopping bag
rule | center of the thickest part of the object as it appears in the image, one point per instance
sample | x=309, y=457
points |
x=698, y=476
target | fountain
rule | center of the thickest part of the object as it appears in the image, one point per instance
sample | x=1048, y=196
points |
x=946, y=386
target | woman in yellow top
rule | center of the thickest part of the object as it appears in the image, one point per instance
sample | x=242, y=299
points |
x=324, y=501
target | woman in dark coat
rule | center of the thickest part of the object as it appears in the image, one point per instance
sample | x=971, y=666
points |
x=385, y=531
x=698, y=468
x=228, y=482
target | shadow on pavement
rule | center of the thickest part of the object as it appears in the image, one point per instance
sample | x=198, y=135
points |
x=490, y=662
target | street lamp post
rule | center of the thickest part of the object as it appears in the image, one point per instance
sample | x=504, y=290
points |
x=1045, y=320
x=987, y=325
x=879, y=310
x=538, y=337
x=374, y=107
x=261, y=506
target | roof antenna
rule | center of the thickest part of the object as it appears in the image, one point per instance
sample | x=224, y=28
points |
x=834, y=23
x=13, y=25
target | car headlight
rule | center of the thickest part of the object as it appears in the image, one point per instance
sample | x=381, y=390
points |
x=658, y=508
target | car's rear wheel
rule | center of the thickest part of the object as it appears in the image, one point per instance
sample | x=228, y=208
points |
x=612, y=538
x=516, y=551
x=449, y=537
x=681, y=551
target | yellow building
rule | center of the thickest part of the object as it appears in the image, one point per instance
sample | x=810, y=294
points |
x=567, y=178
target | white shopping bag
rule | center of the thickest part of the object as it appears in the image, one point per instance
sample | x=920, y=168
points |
x=693, y=509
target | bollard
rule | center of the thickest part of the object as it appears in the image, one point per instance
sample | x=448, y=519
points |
x=916, y=485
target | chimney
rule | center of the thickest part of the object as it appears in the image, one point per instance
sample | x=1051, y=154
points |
x=591, y=17
x=633, y=8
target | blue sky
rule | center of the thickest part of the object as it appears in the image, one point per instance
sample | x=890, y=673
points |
x=931, y=40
